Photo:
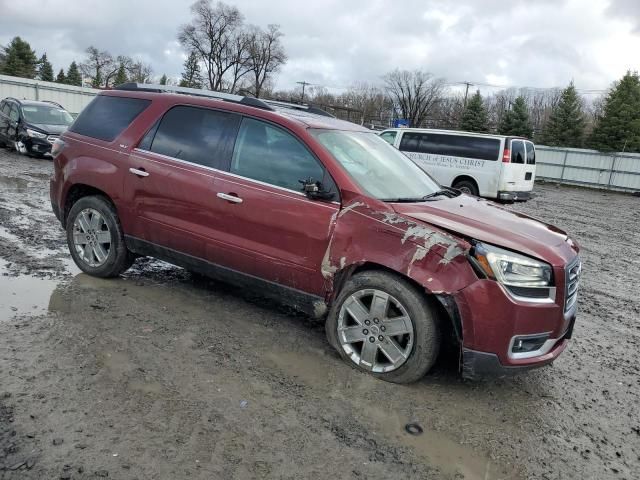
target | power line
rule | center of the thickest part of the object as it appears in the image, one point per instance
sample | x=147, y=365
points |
x=304, y=84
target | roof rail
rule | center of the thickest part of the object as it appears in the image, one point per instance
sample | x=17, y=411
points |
x=228, y=97
x=299, y=106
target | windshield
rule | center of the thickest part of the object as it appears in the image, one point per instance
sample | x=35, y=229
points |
x=46, y=115
x=380, y=169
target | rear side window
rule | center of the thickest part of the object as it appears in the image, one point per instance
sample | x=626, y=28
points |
x=452, y=145
x=517, y=151
x=389, y=137
x=107, y=117
x=196, y=135
x=531, y=154
x=269, y=154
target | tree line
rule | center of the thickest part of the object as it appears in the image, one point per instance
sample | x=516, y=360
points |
x=224, y=53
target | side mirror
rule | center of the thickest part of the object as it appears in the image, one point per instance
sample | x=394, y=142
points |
x=315, y=191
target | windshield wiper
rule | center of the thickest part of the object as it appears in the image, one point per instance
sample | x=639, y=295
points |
x=402, y=200
x=446, y=193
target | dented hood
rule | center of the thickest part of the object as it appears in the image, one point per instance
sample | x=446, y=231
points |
x=488, y=222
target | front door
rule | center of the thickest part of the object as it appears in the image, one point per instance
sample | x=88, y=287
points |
x=270, y=229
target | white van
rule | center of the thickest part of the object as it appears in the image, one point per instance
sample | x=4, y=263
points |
x=486, y=165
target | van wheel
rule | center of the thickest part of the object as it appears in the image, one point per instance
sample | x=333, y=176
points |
x=467, y=186
x=383, y=325
x=95, y=238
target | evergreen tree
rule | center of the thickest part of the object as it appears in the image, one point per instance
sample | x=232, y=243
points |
x=121, y=76
x=163, y=80
x=61, y=78
x=45, y=69
x=474, y=116
x=191, y=77
x=19, y=59
x=565, y=127
x=515, y=121
x=73, y=75
x=619, y=127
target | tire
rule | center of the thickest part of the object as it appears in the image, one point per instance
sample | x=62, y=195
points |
x=467, y=186
x=94, y=221
x=420, y=344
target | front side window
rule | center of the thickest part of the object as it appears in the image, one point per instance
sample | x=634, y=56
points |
x=517, y=151
x=5, y=108
x=106, y=117
x=381, y=170
x=46, y=115
x=269, y=154
x=13, y=113
x=389, y=137
x=193, y=134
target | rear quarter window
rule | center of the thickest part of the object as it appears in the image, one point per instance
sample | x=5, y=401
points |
x=107, y=117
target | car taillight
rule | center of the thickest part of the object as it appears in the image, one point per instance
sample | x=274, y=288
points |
x=57, y=147
x=506, y=156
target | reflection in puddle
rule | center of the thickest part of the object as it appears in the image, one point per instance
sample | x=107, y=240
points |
x=23, y=295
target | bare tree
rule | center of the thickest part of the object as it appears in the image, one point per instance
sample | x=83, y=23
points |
x=240, y=60
x=211, y=35
x=266, y=54
x=140, y=72
x=413, y=93
x=97, y=64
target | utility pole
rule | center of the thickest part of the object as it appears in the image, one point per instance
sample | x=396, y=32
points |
x=466, y=92
x=304, y=84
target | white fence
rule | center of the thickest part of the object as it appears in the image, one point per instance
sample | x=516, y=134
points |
x=615, y=171
x=72, y=98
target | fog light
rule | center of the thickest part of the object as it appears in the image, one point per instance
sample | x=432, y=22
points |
x=528, y=343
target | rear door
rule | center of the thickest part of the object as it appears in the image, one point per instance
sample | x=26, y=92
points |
x=515, y=171
x=170, y=179
x=12, y=125
x=269, y=228
x=530, y=170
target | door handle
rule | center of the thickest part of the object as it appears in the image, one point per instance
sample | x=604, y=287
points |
x=229, y=198
x=139, y=172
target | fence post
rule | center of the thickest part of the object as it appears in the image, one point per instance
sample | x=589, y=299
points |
x=613, y=167
x=564, y=164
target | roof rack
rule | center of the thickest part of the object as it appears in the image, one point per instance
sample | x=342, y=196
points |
x=299, y=106
x=228, y=97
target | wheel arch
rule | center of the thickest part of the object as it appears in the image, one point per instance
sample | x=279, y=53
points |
x=466, y=177
x=443, y=304
x=78, y=191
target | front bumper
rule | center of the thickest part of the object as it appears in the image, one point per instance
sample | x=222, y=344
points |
x=489, y=320
x=514, y=196
x=36, y=146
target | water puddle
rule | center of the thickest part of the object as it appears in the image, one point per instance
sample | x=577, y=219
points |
x=455, y=460
x=23, y=294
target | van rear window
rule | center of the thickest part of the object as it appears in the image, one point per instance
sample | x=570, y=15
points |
x=107, y=117
x=452, y=145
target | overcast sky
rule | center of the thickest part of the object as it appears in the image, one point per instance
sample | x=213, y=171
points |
x=542, y=43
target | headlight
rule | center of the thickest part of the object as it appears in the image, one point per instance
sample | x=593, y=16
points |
x=35, y=134
x=524, y=277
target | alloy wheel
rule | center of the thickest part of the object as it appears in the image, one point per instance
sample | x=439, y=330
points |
x=91, y=237
x=375, y=330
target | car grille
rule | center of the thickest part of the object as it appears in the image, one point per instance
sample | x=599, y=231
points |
x=572, y=282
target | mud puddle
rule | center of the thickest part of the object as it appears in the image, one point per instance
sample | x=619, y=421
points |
x=24, y=295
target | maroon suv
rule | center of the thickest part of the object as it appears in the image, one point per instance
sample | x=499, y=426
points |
x=321, y=214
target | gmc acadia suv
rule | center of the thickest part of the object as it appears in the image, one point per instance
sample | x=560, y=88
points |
x=321, y=214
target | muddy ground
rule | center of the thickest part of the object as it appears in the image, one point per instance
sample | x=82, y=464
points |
x=161, y=375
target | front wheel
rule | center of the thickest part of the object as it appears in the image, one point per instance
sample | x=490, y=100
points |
x=383, y=325
x=95, y=238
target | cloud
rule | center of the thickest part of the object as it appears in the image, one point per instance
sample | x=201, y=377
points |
x=336, y=43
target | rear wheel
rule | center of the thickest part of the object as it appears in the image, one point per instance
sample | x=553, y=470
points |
x=383, y=325
x=95, y=238
x=467, y=186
